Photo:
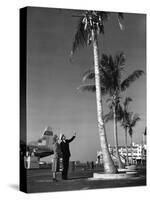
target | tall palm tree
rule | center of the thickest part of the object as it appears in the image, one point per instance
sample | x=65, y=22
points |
x=133, y=119
x=90, y=25
x=124, y=123
x=111, y=69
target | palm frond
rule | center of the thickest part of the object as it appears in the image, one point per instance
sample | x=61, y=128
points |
x=113, y=73
x=108, y=117
x=104, y=90
x=119, y=113
x=103, y=15
x=131, y=78
x=104, y=60
x=120, y=59
x=124, y=118
x=108, y=100
x=104, y=72
x=126, y=102
x=130, y=131
x=110, y=105
x=91, y=88
x=135, y=119
x=120, y=19
x=107, y=70
x=111, y=62
x=81, y=36
x=88, y=75
x=120, y=15
x=111, y=68
x=125, y=115
x=87, y=87
x=145, y=132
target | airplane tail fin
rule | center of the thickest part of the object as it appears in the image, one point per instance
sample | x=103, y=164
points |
x=47, y=138
x=48, y=131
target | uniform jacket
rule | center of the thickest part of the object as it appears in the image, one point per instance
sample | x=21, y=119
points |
x=65, y=147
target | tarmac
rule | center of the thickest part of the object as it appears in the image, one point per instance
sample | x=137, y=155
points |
x=40, y=180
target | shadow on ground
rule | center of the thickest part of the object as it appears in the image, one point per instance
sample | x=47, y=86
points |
x=14, y=186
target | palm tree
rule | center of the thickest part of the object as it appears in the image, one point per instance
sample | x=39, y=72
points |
x=133, y=119
x=90, y=25
x=114, y=114
x=144, y=136
x=143, y=143
x=112, y=84
x=124, y=123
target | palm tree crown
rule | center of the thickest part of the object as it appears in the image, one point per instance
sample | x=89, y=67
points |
x=125, y=113
x=124, y=116
x=133, y=119
x=88, y=21
x=111, y=75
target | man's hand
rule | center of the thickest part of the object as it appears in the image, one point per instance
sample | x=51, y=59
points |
x=74, y=134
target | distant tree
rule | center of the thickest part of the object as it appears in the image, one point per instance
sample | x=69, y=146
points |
x=114, y=114
x=124, y=122
x=133, y=119
x=144, y=135
x=143, y=143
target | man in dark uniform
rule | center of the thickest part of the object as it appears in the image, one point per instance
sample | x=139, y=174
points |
x=64, y=145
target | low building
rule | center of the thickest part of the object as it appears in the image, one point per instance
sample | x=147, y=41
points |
x=136, y=154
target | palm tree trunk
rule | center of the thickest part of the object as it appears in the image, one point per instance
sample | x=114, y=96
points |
x=127, y=158
x=107, y=160
x=144, y=139
x=143, y=143
x=131, y=151
x=120, y=164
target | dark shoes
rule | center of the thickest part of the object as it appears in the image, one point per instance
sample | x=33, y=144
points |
x=64, y=178
x=55, y=180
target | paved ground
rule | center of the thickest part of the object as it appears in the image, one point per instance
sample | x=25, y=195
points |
x=40, y=180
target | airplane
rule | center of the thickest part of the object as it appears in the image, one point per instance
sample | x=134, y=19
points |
x=43, y=146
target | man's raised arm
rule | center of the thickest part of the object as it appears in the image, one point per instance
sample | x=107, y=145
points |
x=71, y=139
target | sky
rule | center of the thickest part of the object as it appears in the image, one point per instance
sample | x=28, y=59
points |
x=52, y=80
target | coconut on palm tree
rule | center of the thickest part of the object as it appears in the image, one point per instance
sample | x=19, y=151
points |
x=91, y=24
x=111, y=71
